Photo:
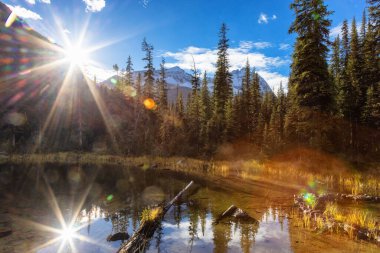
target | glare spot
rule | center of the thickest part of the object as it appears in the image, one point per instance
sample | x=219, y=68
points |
x=110, y=197
x=310, y=199
x=67, y=233
x=74, y=175
x=150, y=104
x=16, y=119
x=76, y=55
x=11, y=19
x=129, y=91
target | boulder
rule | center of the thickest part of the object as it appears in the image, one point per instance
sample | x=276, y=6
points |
x=120, y=236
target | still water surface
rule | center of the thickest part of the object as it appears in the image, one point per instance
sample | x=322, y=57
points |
x=38, y=201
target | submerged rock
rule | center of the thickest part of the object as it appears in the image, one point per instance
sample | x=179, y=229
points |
x=5, y=232
x=121, y=236
x=237, y=215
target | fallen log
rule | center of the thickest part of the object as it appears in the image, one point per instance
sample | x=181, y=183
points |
x=141, y=237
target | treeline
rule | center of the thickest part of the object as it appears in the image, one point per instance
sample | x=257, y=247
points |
x=208, y=119
x=332, y=102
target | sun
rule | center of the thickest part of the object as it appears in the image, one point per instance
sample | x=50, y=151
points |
x=76, y=55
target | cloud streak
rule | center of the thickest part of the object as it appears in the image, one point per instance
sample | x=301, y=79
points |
x=94, y=5
x=33, y=2
x=284, y=46
x=24, y=13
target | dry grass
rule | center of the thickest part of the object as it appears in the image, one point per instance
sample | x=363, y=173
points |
x=355, y=217
x=297, y=168
x=150, y=214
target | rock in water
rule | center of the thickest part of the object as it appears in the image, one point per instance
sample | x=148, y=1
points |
x=236, y=214
x=121, y=236
x=5, y=232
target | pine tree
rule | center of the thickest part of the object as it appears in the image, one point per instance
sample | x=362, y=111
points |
x=194, y=112
x=255, y=106
x=335, y=68
x=281, y=110
x=205, y=110
x=116, y=68
x=149, y=70
x=355, y=97
x=371, y=113
x=179, y=105
x=310, y=76
x=310, y=85
x=129, y=72
x=162, y=87
x=230, y=119
x=245, y=121
x=345, y=89
x=222, y=88
x=138, y=86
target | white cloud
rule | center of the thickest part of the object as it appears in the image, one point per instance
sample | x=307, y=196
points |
x=264, y=19
x=145, y=3
x=274, y=79
x=205, y=60
x=94, y=5
x=258, y=45
x=41, y=1
x=284, y=46
x=66, y=31
x=337, y=30
x=24, y=13
x=262, y=45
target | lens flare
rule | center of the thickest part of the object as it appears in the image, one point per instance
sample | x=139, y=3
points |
x=11, y=19
x=150, y=104
x=76, y=55
x=16, y=119
x=67, y=233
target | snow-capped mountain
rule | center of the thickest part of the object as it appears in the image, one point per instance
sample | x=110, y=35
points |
x=178, y=77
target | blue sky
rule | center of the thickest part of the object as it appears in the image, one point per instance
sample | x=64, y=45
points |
x=179, y=30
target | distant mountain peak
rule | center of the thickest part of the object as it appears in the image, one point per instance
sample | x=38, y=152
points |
x=177, y=76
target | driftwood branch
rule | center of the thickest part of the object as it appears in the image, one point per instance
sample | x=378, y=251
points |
x=141, y=237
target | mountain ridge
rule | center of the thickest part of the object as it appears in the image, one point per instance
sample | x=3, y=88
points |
x=177, y=76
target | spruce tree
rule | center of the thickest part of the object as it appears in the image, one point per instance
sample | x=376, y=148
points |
x=162, y=87
x=194, y=112
x=149, y=70
x=222, y=88
x=246, y=103
x=205, y=109
x=255, y=106
x=310, y=83
x=129, y=72
x=335, y=68
x=179, y=107
x=310, y=76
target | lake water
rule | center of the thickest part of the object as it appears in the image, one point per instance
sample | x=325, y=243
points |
x=37, y=202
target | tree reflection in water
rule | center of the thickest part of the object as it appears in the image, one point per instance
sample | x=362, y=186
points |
x=187, y=227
